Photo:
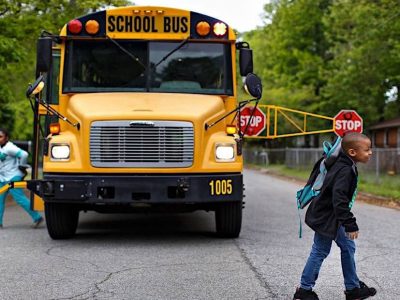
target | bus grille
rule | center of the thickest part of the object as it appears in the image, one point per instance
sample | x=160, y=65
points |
x=141, y=144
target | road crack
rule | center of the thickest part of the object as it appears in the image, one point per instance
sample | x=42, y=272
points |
x=257, y=274
x=49, y=253
x=94, y=289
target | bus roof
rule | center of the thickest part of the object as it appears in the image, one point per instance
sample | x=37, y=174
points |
x=148, y=22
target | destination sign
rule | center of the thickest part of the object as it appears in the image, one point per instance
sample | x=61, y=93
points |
x=147, y=24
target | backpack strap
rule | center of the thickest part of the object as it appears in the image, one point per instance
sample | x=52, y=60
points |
x=327, y=147
x=332, y=150
x=300, y=224
x=319, y=181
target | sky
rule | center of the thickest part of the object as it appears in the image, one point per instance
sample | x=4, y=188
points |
x=242, y=15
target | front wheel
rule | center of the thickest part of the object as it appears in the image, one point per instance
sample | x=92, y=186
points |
x=228, y=219
x=61, y=220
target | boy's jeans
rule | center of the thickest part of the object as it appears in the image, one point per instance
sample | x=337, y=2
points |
x=320, y=250
x=20, y=198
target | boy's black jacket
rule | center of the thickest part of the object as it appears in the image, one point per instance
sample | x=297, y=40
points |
x=330, y=209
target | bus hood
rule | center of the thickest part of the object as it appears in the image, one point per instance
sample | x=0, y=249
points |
x=137, y=106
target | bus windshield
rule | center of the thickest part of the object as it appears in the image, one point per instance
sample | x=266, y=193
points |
x=138, y=66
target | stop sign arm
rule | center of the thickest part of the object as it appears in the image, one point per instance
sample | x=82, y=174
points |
x=298, y=121
x=241, y=133
x=273, y=111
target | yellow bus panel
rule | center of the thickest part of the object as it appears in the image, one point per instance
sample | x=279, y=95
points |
x=38, y=203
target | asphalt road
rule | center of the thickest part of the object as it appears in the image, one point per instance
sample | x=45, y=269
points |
x=179, y=257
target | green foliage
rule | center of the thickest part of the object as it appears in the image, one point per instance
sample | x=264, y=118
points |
x=293, y=52
x=21, y=23
x=322, y=56
x=365, y=37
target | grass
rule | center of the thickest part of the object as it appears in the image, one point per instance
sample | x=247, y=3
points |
x=385, y=186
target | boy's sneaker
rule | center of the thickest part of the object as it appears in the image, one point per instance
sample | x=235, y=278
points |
x=37, y=223
x=363, y=292
x=303, y=294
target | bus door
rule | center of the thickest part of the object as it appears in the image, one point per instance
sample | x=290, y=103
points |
x=42, y=121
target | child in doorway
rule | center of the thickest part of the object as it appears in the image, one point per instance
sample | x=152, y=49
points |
x=330, y=216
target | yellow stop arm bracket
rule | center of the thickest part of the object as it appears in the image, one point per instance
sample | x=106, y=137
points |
x=13, y=185
x=4, y=189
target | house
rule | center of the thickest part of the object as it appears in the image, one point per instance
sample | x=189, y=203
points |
x=386, y=134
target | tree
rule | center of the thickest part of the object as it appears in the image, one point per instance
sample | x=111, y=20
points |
x=366, y=65
x=323, y=56
x=21, y=23
x=291, y=50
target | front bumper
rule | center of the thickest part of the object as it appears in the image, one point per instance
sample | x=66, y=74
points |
x=151, y=189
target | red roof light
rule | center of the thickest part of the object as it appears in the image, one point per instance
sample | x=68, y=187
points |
x=75, y=26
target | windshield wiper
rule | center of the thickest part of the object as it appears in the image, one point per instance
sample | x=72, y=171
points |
x=183, y=43
x=131, y=55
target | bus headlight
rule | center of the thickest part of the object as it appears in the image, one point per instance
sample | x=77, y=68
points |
x=225, y=152
x=60, y=152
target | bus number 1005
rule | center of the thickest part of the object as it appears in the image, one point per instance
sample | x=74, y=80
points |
x=220, y=187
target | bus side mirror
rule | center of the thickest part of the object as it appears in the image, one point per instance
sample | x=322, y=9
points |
x=245, y=58
x=43, y=54
x=36, y=87
x=253, y=85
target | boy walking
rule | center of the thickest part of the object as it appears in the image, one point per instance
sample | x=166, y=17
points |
x=330, y=216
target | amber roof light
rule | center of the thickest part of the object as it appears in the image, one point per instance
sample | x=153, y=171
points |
x=203, y=28
x=92, y=27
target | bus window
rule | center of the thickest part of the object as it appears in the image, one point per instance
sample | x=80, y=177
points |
x=194, y=68
x=55, y=73
x=50, y=93
x=100, y=66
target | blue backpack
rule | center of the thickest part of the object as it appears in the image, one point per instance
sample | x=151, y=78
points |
x=316, y=179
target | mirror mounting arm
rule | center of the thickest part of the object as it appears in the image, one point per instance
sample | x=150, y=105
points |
x=34, y=89
x=55, y=38
x=56, y=113
x=237, y=109
x=242, y=45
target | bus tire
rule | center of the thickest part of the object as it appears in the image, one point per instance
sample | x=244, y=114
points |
x=228, y=219
x=61, y=220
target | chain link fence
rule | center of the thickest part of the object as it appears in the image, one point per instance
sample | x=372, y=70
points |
x=383, y=161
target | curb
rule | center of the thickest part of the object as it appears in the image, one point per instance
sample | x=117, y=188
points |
x=363, y=197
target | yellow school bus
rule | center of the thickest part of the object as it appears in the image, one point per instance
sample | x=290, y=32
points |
x=136, y=115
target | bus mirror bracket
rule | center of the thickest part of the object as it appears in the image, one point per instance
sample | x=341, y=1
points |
x=34, y=89
x=253, y=86
x=245, y=58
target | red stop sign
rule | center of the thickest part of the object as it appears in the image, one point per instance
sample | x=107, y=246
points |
x=257, y=122
x=348, y=121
